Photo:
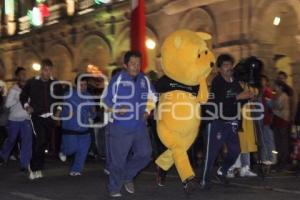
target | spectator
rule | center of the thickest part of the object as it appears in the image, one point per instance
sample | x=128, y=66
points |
x=18, y=123
x=223, y=129
x=293, y=96
x=281, y=122
x=268, y=144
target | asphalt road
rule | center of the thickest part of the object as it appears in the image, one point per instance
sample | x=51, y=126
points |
x=57, y=185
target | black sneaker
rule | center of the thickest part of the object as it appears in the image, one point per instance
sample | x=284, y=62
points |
x=205, y=186
x=160, y=176
x=190, y=185
x=222, y=179
x=2, y=161
x=24, y=170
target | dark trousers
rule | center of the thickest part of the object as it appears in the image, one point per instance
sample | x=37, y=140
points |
x=3, y=135
x=281, y=138
x=129, y=152
x=157, y=146
x=220, y=133
x=42, y=130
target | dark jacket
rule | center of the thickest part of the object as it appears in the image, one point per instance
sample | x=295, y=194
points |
x=37, y=94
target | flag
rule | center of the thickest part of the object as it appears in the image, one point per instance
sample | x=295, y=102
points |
x=138, y=30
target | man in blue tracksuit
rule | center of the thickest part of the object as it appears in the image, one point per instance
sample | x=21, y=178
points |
x=18, y=123
x=128, y=141
x=76, y=137
x=227, y=96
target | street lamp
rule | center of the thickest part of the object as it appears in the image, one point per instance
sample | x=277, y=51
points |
x=150, y=44
x=70, y=7
x=36, y=66
x=276, y=21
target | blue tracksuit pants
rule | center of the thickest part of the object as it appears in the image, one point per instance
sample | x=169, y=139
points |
x=129, y=152
x=79, y=146
x=220, y=133
x=23, y=130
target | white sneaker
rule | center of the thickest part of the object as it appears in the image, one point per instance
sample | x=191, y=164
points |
x=75, y=174
x=230, y=173
x=12, y=157
x=246, y=172
x=129, y=187
x=275, y=157
x=267, y=162
x=32, y=175
x=106, y=171
x=115, y=194
x=62, y=157
x=39, y=174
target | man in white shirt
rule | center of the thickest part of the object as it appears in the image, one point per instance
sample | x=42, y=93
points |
x=18, y=123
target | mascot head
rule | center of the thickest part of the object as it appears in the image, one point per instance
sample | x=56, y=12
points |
x=186, y=57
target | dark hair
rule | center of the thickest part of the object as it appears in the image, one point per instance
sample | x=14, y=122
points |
x=264, y=77
x=18, y=70
x=46, y=63
x=152, y=75
x=82, y=79
x=283, y=86
x=115, y=71
x=224, y=58
x=130, y=54
x=283, y=74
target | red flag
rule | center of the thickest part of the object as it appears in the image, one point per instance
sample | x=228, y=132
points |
x=138, y=30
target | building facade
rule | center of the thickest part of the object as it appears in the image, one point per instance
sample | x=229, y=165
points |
x=83, y=32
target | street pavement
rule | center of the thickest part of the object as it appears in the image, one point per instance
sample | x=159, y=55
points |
x=58, y=185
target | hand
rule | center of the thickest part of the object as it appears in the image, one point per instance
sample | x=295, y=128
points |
x=268, y=99
x=29, y=110
x=122, y=110
x=245, y=95
x=57, y=113
x=146, y=115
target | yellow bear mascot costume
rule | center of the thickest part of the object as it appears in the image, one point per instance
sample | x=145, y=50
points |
x=186, y=62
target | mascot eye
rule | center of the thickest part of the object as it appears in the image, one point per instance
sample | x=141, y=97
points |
x=206, y=52
x=199, y=55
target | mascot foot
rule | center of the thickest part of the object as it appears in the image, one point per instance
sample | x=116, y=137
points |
x=160, y=176
x=190, y=185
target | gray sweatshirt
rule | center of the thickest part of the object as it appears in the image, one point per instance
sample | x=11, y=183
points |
x=16, y=111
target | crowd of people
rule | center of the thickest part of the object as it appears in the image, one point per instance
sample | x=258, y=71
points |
x=89, y=119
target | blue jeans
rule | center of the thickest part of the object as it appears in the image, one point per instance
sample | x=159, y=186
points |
x=24, y=130
x=78, y=145
x=268, y=144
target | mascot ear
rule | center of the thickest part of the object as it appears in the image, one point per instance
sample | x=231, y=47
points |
x=177, y=42
x=204, y=36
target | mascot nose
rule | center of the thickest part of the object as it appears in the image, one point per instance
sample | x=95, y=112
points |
x=212, y=64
